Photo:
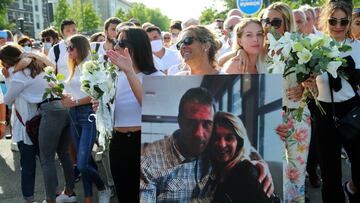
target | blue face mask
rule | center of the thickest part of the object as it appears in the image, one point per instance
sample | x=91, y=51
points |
x=47, y=45
x=27, y=49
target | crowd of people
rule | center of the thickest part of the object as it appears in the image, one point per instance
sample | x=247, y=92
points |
x=235, y=45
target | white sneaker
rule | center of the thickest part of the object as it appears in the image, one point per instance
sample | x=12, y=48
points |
x=104, y=195
x=65, y=198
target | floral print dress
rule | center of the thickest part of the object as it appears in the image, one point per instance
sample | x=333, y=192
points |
x=297, y=147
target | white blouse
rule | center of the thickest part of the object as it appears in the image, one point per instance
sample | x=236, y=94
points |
x=73, y=85
x=127, y=108
x=346, y=92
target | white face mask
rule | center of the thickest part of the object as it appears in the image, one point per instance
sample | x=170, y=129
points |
x=27, y=49
x=47, y=45
x=156, y=45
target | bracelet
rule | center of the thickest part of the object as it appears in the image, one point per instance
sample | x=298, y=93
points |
x=3, y=122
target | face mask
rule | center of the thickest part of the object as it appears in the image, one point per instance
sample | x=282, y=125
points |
x=47, y=45
x=27, y=49
x=156, y=45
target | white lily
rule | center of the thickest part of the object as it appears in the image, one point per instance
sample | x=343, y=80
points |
x=304, y=56
x=332, y=68
x=278, y=65
x=48, y=70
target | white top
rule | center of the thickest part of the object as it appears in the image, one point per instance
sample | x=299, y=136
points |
x=25, y=109
x=127, y=108
x=101, y=51
x=170, y=58
x=346, y=92
x=31, y=89
x=62, y=64
x=73, y=86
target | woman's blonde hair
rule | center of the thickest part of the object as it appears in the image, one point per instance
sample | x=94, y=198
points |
x=82, y=46
x=204, y=35
x=233, y=123
x=286, y=13
x=330, y=7
x=240, y=27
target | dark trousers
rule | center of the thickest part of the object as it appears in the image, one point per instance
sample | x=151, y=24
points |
x=330, y=144
x=124, y=152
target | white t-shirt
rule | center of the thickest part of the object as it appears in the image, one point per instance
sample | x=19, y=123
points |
x=73, y=86
x=346, y=92
x=127, y=108
x=170, y=58
x=101, y=51
x=31, y=89
x=62, y=64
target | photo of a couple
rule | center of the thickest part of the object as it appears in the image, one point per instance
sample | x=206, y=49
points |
x=207, y=140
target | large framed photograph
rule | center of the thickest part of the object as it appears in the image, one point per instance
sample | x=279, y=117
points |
x=204, y=138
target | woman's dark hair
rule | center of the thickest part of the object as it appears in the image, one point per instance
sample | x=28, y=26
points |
x=330, y=7
x=11, y=55
x=50, y=32
x=139, y=47
x=94, y=37
x=82, y=46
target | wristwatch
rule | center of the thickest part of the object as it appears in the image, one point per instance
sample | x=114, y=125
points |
x=3, y=122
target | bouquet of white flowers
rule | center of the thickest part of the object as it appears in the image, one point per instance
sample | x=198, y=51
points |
x=98, y=81
x=305, y=56
x=56, y=88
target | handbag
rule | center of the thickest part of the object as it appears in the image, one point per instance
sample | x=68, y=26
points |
x=31, y=127
x=349, y=125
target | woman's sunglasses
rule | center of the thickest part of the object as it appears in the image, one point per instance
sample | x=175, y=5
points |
x=334, y=22
x=276, y=22
x=46, y=39
x=186, y=41
x=122, y=43
x=70, y=48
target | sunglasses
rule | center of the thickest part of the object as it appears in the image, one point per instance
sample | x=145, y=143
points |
x=276, y=22
x=186, y=41
x=70, y=48
x=192, y=124
x=122, y=43
x=46, y=39
x=334, y=22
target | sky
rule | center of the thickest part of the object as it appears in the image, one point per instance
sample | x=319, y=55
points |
x=182, y=9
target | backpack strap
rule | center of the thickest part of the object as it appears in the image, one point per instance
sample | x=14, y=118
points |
x=57, y=55
x=97, y=47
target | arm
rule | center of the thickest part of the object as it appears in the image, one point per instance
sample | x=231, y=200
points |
x=68, y=102
x=124, y=63
x=2, y=116
x=14, y=89
x=264, y=172
x=27, y=58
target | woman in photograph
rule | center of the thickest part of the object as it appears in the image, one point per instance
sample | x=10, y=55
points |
x=83, y=129
x=25, y=90
x=198, y=46
x=336, y=21
x=355, y=24
x=132, y=56
x=249, y=38
x=229, y=149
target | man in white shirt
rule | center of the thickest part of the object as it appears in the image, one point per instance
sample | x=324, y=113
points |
x=110, y=33
x=310, y=20
x=58, y=54
x=164, y=58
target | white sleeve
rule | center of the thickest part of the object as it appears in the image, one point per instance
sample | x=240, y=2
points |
x=16, y=86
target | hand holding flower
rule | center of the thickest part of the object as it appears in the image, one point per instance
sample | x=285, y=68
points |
x=295, y=93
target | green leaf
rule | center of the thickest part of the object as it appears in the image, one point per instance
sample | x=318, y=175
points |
x=60, y=77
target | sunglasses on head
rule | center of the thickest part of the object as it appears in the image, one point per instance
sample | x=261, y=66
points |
x=334, y=22
x=276, y=22
x=46, y=39
x=70, y=48
x=186, y=41
x=122, y=43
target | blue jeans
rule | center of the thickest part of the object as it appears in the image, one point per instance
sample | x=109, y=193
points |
x=84, y=134
x=28, y=168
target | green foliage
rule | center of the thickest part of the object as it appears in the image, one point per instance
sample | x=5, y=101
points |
x=90, y=21
x=4, y=24
x=144, y=14
x=209, y=15
x=62, y=11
